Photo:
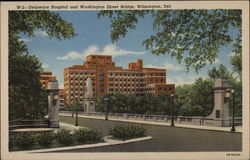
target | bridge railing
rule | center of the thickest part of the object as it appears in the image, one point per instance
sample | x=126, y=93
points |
x=194, y=120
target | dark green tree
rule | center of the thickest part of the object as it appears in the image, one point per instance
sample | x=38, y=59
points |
x=183, y=96
x=202, y=95
x=27, y=99
x=191, y=36
x=131, y=103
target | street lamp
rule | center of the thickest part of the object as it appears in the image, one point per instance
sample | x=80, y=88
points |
x=228, y=93
x=233, y=128
x=106, y=107
x=172, y=109
x=76, y=123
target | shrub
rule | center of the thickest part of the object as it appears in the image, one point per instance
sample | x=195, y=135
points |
x=64, y=137
x=45, y=139
x=127, y=132
x=25, y=140
x=83, y=135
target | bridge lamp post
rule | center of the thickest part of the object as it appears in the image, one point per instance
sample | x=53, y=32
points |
x=76, y=123
x=233, y=127
x=106, y=107
x=172, y=109
x=228, y=93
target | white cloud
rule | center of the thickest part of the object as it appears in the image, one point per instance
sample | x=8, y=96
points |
x=71, y=55
x=217, y=61
x=168, y=66
x=231, y=54
x=25, y=39
x=41, y=33
x=109, y=49
x=172, y=67
x=183, y=79
x=45, y=66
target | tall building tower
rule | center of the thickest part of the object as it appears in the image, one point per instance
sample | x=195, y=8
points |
x=109, y=79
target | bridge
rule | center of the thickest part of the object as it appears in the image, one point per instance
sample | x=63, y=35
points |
x=182, y=138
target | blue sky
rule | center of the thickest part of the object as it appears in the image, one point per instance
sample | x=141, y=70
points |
x=94, y=38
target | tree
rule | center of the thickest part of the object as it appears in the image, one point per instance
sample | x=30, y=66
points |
x=196, y=99
x=220, y=72
x=183, y=96
x=202, y=95
x=192, y=36
x=236, y=62
x=27, y=98
x=131, y=103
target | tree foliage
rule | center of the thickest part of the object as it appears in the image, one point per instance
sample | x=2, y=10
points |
x=195, y=99
x=191, y=36
x=27, y=99
x=130, y=103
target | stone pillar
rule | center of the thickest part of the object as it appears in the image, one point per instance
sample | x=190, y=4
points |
x=220, y=114
x=53, y=102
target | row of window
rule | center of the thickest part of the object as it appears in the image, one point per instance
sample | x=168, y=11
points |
x=80, y=84
x=80, y=74
x=119, y=74
x=127, y=74
x=160, y=89
x=128, y=80
x=125, y=85
x=72, y=79
x=126, y=90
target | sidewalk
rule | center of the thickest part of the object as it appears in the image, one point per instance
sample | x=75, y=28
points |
x=212, y=128
x=68, y=126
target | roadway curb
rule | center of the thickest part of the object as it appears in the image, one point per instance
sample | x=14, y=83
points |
x=109, y=142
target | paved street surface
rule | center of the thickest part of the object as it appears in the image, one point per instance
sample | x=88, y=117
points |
x=165, y=138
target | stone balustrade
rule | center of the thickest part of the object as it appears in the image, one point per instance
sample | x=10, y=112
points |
x=194, y=120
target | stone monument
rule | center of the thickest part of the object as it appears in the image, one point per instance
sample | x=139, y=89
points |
x=220, y=114
x=53, y=102
x=88, y=97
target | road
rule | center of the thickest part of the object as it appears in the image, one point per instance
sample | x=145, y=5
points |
x=165, y=138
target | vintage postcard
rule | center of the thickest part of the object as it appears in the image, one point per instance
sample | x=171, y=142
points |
x=125, y=80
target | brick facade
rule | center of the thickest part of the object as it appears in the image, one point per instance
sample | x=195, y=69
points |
x=109, y=79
